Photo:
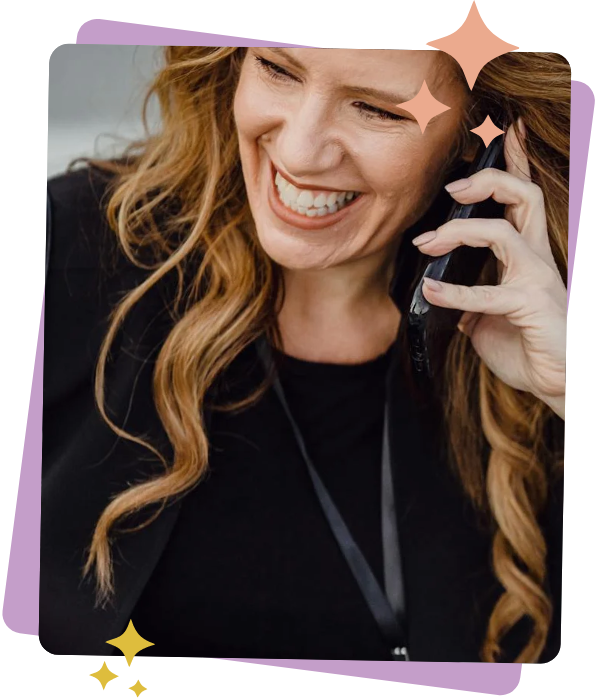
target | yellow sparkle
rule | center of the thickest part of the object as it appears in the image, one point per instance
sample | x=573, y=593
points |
x=104, y=675
x=130, y=643
x=137, y=688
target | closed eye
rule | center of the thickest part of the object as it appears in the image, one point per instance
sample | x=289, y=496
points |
x=274, y=71
x=279, y=74
x=370, y=112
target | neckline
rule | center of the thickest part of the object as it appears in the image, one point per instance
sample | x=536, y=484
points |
x=294, y=365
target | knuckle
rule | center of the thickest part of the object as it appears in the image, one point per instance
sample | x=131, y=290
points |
x=489, y=173
x=504, y=230
x=488, y=293
x=535, y=193
x=448, y=227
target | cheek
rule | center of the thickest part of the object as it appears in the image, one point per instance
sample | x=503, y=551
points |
x=401, y=175
x=244, y=109
x=406, y=179
x=255, y=111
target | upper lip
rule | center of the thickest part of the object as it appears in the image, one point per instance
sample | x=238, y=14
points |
x=311, y=187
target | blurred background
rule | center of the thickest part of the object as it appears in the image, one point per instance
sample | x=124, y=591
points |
x=95, y=100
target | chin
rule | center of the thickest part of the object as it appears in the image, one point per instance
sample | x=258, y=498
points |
x=294, y=253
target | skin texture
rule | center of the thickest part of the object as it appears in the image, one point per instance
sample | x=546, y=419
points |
x=309, y=125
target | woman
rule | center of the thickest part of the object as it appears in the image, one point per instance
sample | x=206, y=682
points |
x=264, y=221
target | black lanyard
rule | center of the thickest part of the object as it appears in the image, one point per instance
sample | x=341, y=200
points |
x=388, y=609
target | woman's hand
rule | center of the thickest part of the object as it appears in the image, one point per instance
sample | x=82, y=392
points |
x=518, y=327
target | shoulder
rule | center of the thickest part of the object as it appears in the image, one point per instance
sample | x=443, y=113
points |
x=86, y=277
x=81, y=189
x=79, y=234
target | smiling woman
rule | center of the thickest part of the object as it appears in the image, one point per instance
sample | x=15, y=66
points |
x=306, y=120
x=225, y=370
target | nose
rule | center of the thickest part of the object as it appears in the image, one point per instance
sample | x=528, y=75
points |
x=309, y=143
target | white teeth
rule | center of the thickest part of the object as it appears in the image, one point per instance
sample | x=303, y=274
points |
x=282, y=184
x=306, y=203
x=290, y=196
x=306, y=198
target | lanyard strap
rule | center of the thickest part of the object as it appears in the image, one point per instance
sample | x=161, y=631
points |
x=393, y=570
x=388, y=610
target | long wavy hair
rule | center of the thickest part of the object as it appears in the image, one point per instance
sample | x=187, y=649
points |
x=178, y=207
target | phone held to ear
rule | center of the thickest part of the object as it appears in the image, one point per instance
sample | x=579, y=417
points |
x=431, y=328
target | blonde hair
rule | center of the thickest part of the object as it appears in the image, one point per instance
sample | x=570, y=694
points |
x=179, y=204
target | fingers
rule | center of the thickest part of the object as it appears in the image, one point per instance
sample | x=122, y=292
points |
x=496, y=233
x=524, y=198
x=489, y=300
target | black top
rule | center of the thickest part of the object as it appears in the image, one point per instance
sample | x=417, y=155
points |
x=251, y=568
x=245, y=565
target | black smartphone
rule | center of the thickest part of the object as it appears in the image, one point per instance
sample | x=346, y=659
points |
x=429, y=327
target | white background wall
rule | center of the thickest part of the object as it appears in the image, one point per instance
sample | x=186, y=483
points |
x=95, y=99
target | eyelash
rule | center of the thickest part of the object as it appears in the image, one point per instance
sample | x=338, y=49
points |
x=367, y=111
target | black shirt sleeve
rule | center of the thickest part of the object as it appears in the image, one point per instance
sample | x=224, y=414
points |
x=85, y=277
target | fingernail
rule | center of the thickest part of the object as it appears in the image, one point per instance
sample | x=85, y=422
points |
x=459, y=185
x=432, y=284
x=424, y=237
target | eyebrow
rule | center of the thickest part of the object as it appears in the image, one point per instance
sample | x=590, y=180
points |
x=381, y=95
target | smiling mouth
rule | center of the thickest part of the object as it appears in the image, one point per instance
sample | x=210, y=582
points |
x=311, y=203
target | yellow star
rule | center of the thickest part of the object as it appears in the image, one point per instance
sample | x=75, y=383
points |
x=487, y=131
x=424, y=106
x=130, y=642
x=137, y=688
x=472, y=45
x=104, y=675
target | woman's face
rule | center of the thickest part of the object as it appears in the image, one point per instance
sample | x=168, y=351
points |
x=333, y=172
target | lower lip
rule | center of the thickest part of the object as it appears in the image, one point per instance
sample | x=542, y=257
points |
x=298, y=220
